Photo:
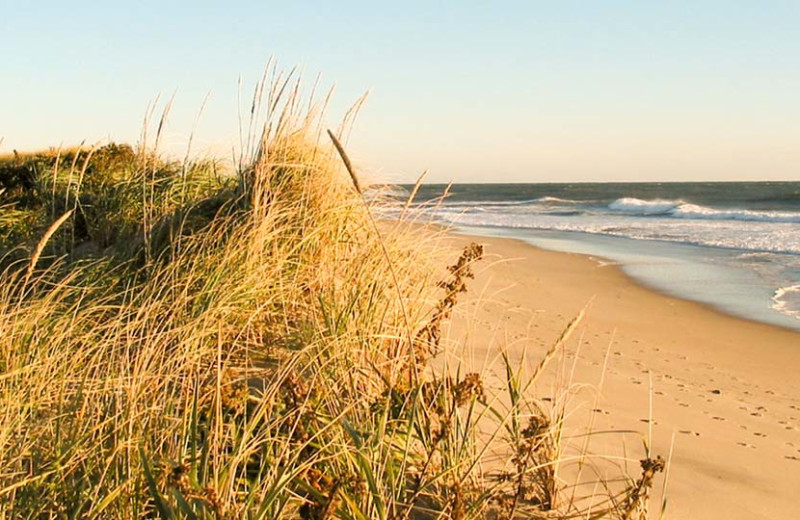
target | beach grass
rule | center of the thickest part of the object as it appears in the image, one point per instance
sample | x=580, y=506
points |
x=181, y=342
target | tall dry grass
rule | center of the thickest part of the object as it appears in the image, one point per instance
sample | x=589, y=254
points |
x=254, y=346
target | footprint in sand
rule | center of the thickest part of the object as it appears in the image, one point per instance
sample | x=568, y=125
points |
x=746, y=445
x=717, y=418
x=759, y=434
x=689, y=432
x=792, y=457
x=685, y=405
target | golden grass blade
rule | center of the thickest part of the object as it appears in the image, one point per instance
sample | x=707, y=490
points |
x=414, y=192
x=346, y=160
x=565, y=335
x=407, y=321
x=72, y=169
x=650, y=416
x=663, y=512
x=186, y=158
x=55, y=177
x=162, y=121
x=82, y=174
x=24, y=482
x=349, y=119
x=445, y=193
x=43, y=242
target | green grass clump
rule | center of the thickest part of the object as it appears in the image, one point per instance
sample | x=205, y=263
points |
x=119, y=197
x=194, y=345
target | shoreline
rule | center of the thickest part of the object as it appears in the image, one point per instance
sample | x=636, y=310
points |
x=722, y=388
x=769, y=315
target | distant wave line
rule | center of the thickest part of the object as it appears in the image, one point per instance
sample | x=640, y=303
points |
x=632, y=207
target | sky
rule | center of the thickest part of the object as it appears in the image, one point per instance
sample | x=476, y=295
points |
x=472, y=91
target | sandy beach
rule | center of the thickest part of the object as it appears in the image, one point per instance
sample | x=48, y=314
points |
x=724, y=392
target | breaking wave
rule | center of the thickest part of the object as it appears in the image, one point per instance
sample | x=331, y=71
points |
x=682, y=209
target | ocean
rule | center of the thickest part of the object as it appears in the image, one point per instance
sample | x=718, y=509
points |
x=734, y=246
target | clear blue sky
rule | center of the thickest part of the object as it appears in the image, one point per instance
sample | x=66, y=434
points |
x=476, y=91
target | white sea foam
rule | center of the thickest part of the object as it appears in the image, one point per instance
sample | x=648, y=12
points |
x=542, y=203
x=560, y=201
x=629, y=206
x=488, y=203
x=751, y=236
x=702, y=212
x=787, y=300
x=755, y=255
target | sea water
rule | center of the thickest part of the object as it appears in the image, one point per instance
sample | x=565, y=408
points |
x=734, y=246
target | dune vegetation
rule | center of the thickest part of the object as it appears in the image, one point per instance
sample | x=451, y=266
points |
x=179, y=339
